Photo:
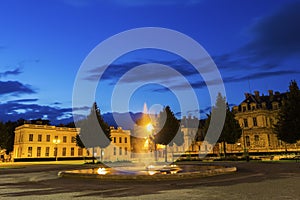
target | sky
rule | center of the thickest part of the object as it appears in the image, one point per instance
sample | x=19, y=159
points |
x=254, y=44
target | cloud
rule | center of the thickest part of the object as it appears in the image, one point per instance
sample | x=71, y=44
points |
x=16, y=71
x=276, y=36
x=15, y=88
x=16, y=109
x=229, y=79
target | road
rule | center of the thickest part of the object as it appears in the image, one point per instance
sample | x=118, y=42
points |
x=254, y=180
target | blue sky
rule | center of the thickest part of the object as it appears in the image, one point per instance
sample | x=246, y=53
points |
x=255, y=45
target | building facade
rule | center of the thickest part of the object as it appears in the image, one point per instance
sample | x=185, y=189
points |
x=119, y=148
x=256, y=115
x=44, y=141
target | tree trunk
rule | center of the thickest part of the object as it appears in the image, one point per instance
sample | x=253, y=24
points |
x=93, y=155
x=224, y=148
x=166, y=153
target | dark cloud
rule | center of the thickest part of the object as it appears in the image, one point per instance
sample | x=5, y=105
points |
x=14, y=110
x=15, y=88
x=115, y=71
x=23, y=100
x=277, y=36
x=16, y=71
x=229, y=79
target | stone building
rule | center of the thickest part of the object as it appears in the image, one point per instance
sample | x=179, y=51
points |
x=45, y=142
x=120, y=147
x=256, y=115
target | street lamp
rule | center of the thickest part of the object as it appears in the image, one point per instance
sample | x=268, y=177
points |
x=56, y=142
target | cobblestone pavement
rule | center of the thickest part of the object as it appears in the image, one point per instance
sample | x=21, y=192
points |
x=254, y=180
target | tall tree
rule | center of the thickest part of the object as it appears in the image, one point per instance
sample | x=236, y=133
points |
x=231, y=131
x=288, y=124
x=168, y=127
x=7, y=134
x=94, y=131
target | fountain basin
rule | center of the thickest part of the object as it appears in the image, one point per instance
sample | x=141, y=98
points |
x=148, y=173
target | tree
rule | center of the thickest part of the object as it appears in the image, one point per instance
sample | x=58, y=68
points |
x=7, y=134
x=94, y=131
x=169, y=126
x=287, y=127
x=231, y=130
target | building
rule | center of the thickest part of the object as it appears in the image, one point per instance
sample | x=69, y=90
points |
x=35, y=141
x=256, y=115
x=119, y=149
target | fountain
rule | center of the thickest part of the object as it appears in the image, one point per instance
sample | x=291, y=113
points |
x=144, y=163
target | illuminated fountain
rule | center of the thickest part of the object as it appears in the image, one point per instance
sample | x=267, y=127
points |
x=144, y=162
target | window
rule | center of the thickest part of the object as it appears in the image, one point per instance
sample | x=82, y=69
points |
x=48, y=138
x=120, y=139
x=64, y=151
x=244, y=108
x=120, y=151
x=29, y=152
x=55, y=151
x=30, y=137
x=267, y=124
x=125, y=151
x=125, y=139
x=115, y=151
x=253, y=107
x=80, y=152
x=39, y=138
x=254, y=121
x=247, y=141
x=38, y=152
x=56, y=137
x=64, y=139
x=256, y=138
x=47, y=151
x=114, y=138
x=245, y=123
x=72, y=151
x=73, y=139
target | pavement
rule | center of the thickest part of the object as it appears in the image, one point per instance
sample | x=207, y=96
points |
x=253, y=180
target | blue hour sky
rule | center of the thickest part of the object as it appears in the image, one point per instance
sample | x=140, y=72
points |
x=255, y=45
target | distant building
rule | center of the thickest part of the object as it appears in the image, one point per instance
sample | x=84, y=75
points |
x=120, y=147
x=256, y=115
x=45, y=141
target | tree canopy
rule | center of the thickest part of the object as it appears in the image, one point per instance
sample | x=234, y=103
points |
x=231, y=130
x=288, y=124
x=94, y=131
x=168, y=125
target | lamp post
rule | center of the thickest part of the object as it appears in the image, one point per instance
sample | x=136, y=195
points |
x=56, y=142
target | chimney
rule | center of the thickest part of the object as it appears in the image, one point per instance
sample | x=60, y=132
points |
x=256, y=93
x=270, y=92
x=246, y=95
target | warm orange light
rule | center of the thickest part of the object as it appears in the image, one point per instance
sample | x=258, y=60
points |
x=149, y=127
